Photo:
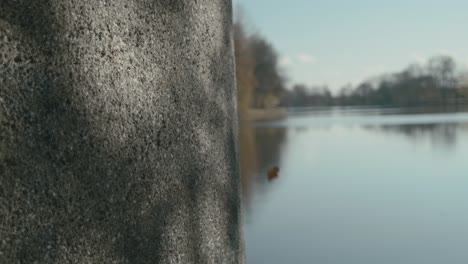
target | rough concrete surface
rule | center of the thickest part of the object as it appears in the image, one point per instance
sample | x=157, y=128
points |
x=118, y=132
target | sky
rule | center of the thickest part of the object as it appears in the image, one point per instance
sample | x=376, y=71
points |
x=334, y=43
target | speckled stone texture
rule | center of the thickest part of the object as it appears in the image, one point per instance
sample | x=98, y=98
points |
x=118, y=132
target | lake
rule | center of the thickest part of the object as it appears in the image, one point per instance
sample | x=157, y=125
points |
x=357, y=186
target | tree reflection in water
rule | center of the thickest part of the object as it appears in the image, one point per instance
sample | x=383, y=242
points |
x=441, y=134
x=260, y=150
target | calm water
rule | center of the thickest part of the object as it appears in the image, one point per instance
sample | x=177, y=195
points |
x=368, y=186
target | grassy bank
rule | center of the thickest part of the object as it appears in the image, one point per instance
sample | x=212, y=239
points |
x=268, y=114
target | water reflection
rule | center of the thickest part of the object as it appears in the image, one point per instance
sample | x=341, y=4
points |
x=440, y=135
x=260, y=151
x=368, y=117
x=375, y=111
x=248, y=158
x=376, y=188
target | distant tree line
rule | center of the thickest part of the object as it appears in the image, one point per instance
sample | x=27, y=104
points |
x=439, y=82
x=260, y=84
x=301, y=95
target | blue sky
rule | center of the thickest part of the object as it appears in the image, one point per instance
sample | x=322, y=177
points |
x=338, y=42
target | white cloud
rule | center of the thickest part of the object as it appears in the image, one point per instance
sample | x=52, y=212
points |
x=418, y=58
x=375, y=69
x=446, y=52
x=285, y=61
x=306, y=58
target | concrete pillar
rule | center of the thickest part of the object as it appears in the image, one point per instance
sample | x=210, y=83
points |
x=118, y=132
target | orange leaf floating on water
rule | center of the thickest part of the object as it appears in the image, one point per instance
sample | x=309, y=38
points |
x=272, y=172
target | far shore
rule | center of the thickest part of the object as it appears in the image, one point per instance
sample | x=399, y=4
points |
x=267, y=114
